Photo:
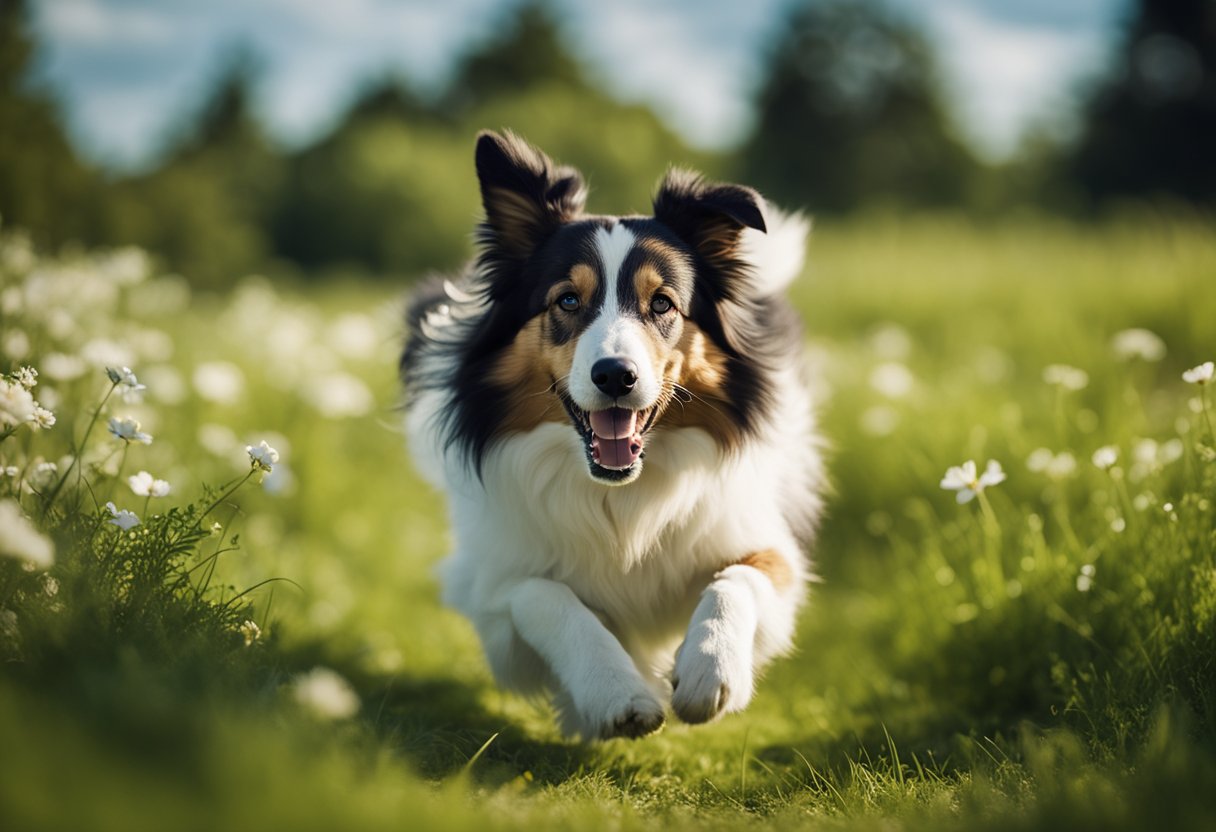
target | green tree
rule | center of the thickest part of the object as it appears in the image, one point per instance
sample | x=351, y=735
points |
x=850, y=113
x=1150, y=125
x=44, y=186
x=393, y=189
x=206, y=208
x=527, y=51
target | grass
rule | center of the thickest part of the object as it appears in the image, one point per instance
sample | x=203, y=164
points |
x=1051, y=666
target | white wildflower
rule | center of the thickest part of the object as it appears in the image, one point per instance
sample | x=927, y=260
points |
x=50, y=586
x=125, y=520
x=1039, y=459
x=59, y=366
x=965, y=480
x=218, y=439
x=10, y=470
x=219, y=381
x=1055, y=466
x=145, y=485
x=1138, y=343
x=42, y=417
x=123, y=377
x=19, y=539
x=1066, y=377
x=102, y=352
x=1085, y=580
x=125, y=266
x=1169, y=451
x=128, y=431
x=890, y=341
x=1200, y=375
x=354, y=336
x=1062, y=466
x=16, y=404
x=1145, y=451
x=339, y=396
x=262, y=456
x=151, y=344
x=43, y=474
x=251, y=631
x=27, y=377
x=217, y=529
x=325, y=694
x=1106, y=456
x=892, y=379
x=15, y=344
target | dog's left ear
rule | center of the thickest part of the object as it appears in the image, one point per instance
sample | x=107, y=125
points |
x=526, y=196
x=708, y=216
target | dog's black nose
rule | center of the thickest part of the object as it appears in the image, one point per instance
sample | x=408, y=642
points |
x=615, y=376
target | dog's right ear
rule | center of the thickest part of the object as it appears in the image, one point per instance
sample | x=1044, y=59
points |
x=525, y=195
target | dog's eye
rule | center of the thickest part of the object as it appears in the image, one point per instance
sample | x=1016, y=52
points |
x=568, y=302
x=661, y=305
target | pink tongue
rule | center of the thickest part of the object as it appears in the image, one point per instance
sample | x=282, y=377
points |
x=614, y=423
x=617, y=453
x=614, y=441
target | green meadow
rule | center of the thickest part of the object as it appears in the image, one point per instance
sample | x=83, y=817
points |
x=267, y=650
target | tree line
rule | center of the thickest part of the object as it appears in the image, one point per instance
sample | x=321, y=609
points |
x=850, y=117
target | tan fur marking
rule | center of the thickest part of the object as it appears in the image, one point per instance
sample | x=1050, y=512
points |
x=718, y=240
x=646, y=281
x=526, y=369
x=582, y=279
x=699, y=366
x=585, y=280
x=775, y=567
x=662, y=250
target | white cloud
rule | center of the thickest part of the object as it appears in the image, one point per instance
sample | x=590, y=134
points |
x=1008, y=76
x=94, y=22
x=696, y=64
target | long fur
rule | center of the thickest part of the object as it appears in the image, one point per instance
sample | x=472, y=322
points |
x=672, y=581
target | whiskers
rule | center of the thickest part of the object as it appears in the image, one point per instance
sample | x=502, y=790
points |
x=552, y=389
x=681, y=394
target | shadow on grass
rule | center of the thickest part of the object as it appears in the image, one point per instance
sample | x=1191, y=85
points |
x=439, y=724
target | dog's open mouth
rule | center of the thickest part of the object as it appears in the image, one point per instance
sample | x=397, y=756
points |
x=614, y=439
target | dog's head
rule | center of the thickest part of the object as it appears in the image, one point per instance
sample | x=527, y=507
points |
x=620, y=326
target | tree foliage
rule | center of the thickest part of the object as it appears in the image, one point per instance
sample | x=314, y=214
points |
x=1149, y=127
x=206, y=206
x=44, y=187
x=392, y=187
x=850, y=113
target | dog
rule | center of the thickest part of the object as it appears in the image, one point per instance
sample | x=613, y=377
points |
x=617, y=411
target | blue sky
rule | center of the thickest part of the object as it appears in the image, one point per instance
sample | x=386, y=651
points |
x=127, y=69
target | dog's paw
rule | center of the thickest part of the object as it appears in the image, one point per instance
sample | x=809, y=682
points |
x=710, y=679
x=640, y=716
x=610, y=710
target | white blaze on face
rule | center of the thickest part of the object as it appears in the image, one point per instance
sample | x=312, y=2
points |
x=615, y=333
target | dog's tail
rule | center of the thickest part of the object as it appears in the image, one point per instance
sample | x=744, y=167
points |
x=776, y=257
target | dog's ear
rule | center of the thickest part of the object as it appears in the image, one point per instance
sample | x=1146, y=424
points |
x=708, y=216
x=525, y=195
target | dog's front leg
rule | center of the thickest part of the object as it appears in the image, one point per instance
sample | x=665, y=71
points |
x=600, y=682
x=744, y=618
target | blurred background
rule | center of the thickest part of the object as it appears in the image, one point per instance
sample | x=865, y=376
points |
x=307, y=139
x=1013, y=260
